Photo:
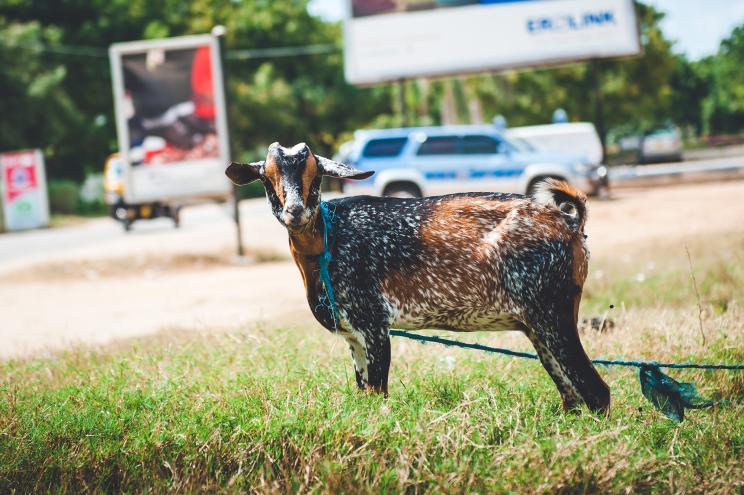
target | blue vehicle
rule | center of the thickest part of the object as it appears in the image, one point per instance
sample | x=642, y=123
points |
x=429, y=161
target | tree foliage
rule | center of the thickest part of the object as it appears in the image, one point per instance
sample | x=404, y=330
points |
x=56, y=89
x=724, y=108
x=62, y=102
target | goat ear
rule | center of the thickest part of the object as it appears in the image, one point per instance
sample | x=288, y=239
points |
x=340, y=170
x=244, y=173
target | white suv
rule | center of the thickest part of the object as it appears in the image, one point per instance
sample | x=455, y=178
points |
x=428, y=161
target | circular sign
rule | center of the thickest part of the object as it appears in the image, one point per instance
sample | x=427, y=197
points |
x=20, y=177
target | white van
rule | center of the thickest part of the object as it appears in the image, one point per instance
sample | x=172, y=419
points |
x=579, y=138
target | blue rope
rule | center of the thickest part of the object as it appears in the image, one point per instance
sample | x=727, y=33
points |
x=530, y=355
x=328, y=299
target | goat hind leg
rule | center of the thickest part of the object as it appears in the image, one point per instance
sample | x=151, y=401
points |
x=556, y=340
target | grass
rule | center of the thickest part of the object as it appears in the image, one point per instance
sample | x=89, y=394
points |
x=275, y=410
x=659, y=276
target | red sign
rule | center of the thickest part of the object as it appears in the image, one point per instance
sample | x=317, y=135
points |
x=20, y=173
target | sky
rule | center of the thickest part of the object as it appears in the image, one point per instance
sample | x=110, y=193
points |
x=696, y=26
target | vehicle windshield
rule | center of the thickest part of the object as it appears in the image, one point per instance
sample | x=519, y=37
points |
x=661, y=133
x=520, y=144
x=114, y=170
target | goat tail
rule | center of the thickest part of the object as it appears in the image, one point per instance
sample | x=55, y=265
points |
x=565, y=198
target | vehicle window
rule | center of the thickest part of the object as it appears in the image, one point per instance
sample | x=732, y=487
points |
x=475, y=145
x=439, y=145
x=520, y=144
x=387, y=147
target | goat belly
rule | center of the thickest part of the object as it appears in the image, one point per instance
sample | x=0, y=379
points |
x=455, y=319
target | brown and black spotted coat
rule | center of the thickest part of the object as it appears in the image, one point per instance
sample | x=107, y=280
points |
x=461, y=262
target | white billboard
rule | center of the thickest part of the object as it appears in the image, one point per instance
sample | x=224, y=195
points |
x=170, y=118
x=395, y=39
x=24, y=190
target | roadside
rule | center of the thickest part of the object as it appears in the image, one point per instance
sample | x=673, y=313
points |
x=205, y=229
x=677, y=173
x=713, y=152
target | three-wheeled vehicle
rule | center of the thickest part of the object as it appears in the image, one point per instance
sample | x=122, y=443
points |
x=113, y=185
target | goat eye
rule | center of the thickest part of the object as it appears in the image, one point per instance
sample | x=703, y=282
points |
x=568, y=209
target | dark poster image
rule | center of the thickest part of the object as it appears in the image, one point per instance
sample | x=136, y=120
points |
x=169, y=105
x=363, y=8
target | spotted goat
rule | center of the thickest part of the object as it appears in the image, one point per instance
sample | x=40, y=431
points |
x=462, y=262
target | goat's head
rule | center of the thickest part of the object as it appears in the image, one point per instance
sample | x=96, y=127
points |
x=291, y=177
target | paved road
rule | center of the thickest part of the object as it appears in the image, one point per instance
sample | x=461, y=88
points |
x=204, y=228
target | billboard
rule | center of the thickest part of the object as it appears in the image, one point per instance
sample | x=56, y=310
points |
x=25, y=203
x=387, y=40
x=170, y=118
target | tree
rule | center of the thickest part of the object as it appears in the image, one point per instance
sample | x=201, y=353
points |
x=724, y=107
x=37, y=110
x=690, y=87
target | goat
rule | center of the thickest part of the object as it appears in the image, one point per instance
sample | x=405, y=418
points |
x=462, y=262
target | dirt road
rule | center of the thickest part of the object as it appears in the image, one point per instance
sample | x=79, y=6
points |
x=116, y=286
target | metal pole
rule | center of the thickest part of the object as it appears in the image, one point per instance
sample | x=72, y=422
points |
x=219, y=33
x=598, y=112
x=402, y=102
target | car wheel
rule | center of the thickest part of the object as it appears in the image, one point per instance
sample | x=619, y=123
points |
x=402, y=190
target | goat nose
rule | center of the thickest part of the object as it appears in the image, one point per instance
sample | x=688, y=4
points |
x=294, y=210
x=293, y=215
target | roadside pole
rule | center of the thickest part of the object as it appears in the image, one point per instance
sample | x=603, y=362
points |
x=2, y=213
x=219, y=33
x=402, y=103
x=598, y=111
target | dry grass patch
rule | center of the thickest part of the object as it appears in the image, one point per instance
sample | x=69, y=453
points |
x=148, y=265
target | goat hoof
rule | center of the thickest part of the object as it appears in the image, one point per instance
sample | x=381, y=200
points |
x=376, y=390
x=572, y=405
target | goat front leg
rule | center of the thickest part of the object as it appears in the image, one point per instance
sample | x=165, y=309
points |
x=370, y=352
x=556, y=340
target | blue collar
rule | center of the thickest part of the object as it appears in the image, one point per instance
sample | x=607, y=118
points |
x=327, y=299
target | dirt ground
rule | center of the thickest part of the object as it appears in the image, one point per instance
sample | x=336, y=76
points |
x=134, y=288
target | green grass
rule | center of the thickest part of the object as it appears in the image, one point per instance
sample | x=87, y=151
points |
x=276, y=410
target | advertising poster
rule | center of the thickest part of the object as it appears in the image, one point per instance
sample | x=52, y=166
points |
x=170, y=118
x=25, y=203
x=388, y=40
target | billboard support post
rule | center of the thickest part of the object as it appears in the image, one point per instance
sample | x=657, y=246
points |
x=405, y=121
x=594, y=70
x=219, y=33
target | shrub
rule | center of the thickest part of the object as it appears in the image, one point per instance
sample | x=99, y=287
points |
x=63, y=196
x=64, y=199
